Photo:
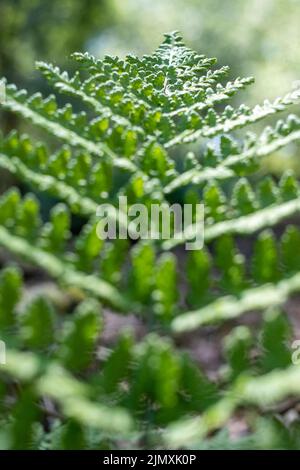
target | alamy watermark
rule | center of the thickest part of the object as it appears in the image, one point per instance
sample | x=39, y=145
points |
x=2, y=353
x=154, y=222
x=2, y=91
x=296, y=353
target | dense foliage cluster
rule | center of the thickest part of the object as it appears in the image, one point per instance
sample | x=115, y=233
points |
x=139, y=137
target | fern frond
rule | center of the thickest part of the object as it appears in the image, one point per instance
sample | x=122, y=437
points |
x=136, y=112
x=245, y=156
x=44, y=245
x=61, y=123
x=230, y=120
x=82, y=186
x=245, y=212
x=58, y=269
x=82, y=90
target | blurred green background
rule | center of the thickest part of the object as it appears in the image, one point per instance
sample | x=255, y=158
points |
x=254, y=37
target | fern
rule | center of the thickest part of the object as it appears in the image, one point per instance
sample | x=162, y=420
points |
x=133, y=138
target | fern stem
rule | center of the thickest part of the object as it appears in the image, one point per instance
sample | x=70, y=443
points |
x=230, y=307
x=60, y=270
x=244, y=225
x=52, y=380
x=223, y=170
x=261, y=391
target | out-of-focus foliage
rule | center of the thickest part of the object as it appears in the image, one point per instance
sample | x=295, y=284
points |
x=134, y=389
x=48, y=29
x=73, y=393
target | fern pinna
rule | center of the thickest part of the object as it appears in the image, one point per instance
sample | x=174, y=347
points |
x=140, y=136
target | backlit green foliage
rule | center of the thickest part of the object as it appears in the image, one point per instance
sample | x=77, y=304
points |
x=131, y=138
